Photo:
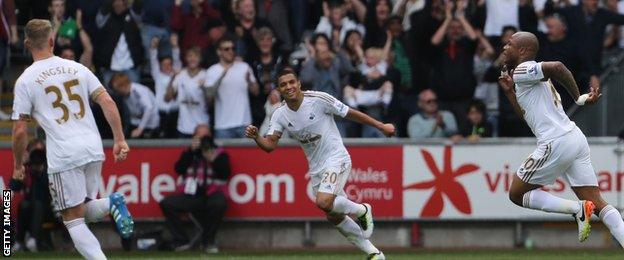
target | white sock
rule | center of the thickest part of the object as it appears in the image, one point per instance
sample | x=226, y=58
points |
x=343, y=206
x=613, y=220
x=97, y=210
x=84, y=241
x=353, y=233
x=544, y=201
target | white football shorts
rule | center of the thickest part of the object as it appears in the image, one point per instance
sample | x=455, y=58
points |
x=567, y=155
x=70, y=188
x=332, y=179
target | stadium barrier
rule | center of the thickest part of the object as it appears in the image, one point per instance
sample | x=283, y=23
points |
x=402, y=179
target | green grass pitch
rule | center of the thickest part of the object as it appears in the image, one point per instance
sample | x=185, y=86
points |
x=321, y=255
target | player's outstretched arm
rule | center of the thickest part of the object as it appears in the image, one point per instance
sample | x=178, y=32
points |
x=557, y=71
x=357, y=116
x=120, y=147
x=268, y=143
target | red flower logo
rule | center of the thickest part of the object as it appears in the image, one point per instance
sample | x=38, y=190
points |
x=444, y=182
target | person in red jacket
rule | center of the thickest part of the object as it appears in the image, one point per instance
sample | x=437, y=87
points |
x=195, y=25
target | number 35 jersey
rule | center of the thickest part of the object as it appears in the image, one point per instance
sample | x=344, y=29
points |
x=56, y=92
x=314, y=127
x=540, y=103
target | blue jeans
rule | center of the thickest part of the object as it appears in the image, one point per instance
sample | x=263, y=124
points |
x=133, y=74
x=234, y=132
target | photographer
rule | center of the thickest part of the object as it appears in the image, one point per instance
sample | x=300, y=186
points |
x=204, y=168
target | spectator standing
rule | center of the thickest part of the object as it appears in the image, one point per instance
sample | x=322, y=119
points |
x=500, y=13
x=405, y=9
x=121, y=50
x=155, y=21
x=587, y=23
x=431, y=122
x=186, y=89
x=231, y=82
x=375, y=81
x=376, y=17
x=141, y=105
x=196, y=26
x=8, y=35
x=265, y=68
x=246, y=26
x=163, y=68
x=352, y=47
x=556, y=45
x=453, y=78
x=204, y=169
x=335, y=24
x=399, y=50
x=276, y=13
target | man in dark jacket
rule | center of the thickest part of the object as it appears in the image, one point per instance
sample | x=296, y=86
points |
x=205, y=169
x=586, y=26
x=121, y=50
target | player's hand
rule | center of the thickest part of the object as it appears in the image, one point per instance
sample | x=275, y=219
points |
x=388, y=130
x=120, y=150
x=505, y=81
x=18, y=173
x=594, y=95
x=251, y=132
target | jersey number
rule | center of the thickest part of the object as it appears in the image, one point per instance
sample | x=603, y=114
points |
x=58, y=102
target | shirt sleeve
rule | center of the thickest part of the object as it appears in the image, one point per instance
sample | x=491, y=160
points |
x=22, y=104
x=274, y=124
x=528, y=73
x=332, y=105
x=94, y=86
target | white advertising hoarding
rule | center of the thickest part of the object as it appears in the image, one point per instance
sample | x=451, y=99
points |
x=472, y=181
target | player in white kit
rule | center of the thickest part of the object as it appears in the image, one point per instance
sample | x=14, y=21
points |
x=56, y=93
x=309, y=118
x=562, y=149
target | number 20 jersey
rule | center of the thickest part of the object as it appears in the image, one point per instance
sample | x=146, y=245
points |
x=540, y=103
x=56, y=92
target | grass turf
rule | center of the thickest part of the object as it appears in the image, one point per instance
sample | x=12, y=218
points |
x=415, y=255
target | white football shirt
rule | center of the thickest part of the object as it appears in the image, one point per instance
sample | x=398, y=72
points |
x=232, y=100
x=540, y=102
x=56, y=92
x=191, y=100
x=314, y=127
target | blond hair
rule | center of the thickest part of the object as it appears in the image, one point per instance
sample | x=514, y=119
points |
x=37, y=32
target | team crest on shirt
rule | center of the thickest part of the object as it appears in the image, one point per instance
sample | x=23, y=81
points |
x=532, y=71
x=311, y=116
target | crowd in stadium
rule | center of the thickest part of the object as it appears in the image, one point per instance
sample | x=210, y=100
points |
x=428, y=66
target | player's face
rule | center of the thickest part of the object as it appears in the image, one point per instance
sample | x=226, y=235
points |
x=511, y=53
x=289, y=87
x=591, y=5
